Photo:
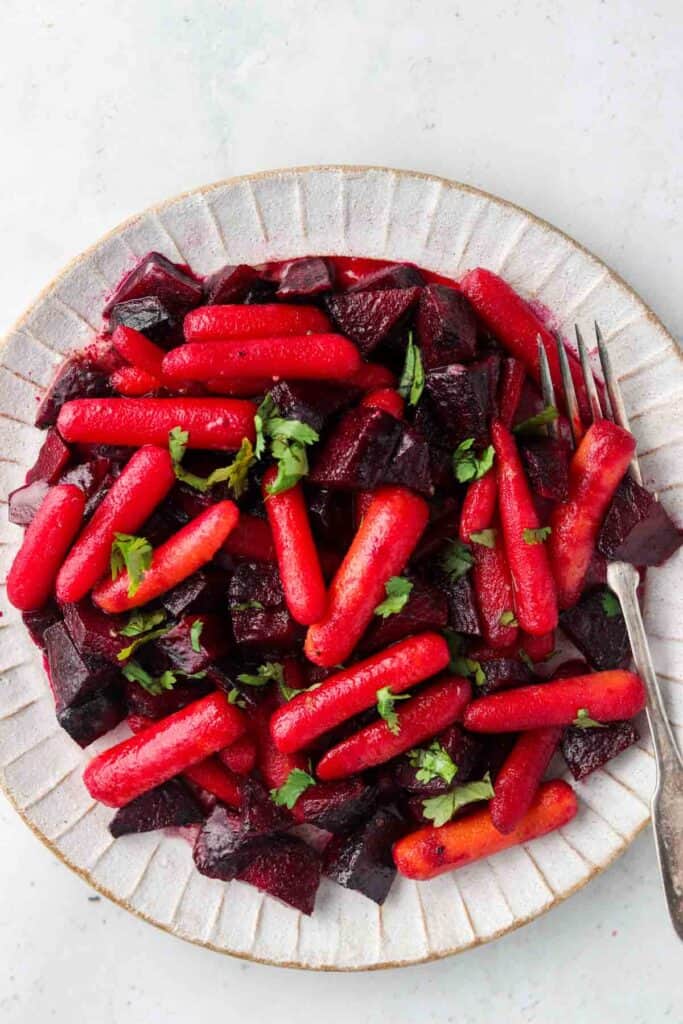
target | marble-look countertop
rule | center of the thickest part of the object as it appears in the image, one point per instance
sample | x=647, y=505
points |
x=572, y=109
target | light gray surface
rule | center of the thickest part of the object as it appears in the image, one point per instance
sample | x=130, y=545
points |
x=571, y=109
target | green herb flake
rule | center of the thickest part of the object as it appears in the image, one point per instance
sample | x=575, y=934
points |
x=467, y=465
x=271, y=671
x=584, y=721
x=440, y=809
x=246, y=606
x=412, y=380
x=610, y=604
x=434, y=763
x=469, y=668
x=289, y=792
x=487, y=538
x=145, y=638
x=132, y=554
x=537, y=536
x=535, y=424
x=235, y=475
x=508, y=619
x=385, y=708
x=456, y=560
x=236, y=698
x=195, y=634
x=526, y=658
x=398, y=591
x=288, y=442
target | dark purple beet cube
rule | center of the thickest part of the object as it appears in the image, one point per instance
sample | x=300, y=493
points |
x=546, y=461
x=336, y=806
x=267, y=629
x=396, y=275
x=256, y=581
x=101, y=491
x=601, y=637
x=311, y=402
x=140, y=702
x=440, y=449
x=206, y=590
x=195, y=642
x=287, y=869
x=155, y=275
x=74, y=676
x=373, y=318
x=168, y=805
x=260, y=815
x=357, y=453
x=462, y=606
x=446, y=328
x=461, y=399
x=425, y=609
x=39, y=621
x=23, y=503
x=149, y=316
x=86, y=722
x=571, y=667
x=464, y=749
x=331, y=516
x=637, y=528
x=410, y=465
x=229, y=284
x=52, y=460
x=89, y=476
x=362, y=860
x=93, y=632
x=441, y=528
x=77, y=377
x=492, y=365
x=584, y=750
x=223, y=846
x=502, y=674
x=305, y=278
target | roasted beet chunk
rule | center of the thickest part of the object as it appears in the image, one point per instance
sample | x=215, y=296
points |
x=93, y=632
x=362, y=860
x=223, y=846
x=373, y=318
x=195, y=642
x=462, y=607
x=229, y=284
x=584, y=750
x=546, y=461
x=336, y=806
x=77, y=377
x=97, y=716
x=446, y=327
x=257, y=608
x=170, y=804
x=637, y=528
x=52, y=460
x=258, y=582
x=312, y=403
x=461, y=399
x=356, y=456
x=206, y=590
x=23, y=503
x=286, y=869
x=149, y=316
x=89, y=476
x=440, y=448
x=260, y=816
x=39, y=621
x=397, y=275
x=464, y=750
x=140, y=702
x=410, y=464
x=304, y=278
x=426, y=608
x=503, y=673
x=331, y=516
x=597, y=627
x=155, y=275
x=74, y=676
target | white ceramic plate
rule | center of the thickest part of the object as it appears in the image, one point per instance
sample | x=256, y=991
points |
x=446, y=227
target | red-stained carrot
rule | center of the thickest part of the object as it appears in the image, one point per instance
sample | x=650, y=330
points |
x=346, y=693
x=511, y=384
x=239, y=388
x=252, y=538
x=417, y=720
x=32, y=577
x=240, y=756
x=167, y=748
x=144, y=483
x=387, y=399
x=181, y=555
x=218, y=323
x=432, y=851
x=274, y=766
x=597, y=467
x=518, y=780
x=138, y=350
x=517, y=327
x=380, y=549
x=133, y=382
x=535, y=597
x=215, y=423
x=372, y=377
x=479, y=506
x=494, y=593
x=538, y=647
x=604, y=696
x=297, y=556
x=313, y=357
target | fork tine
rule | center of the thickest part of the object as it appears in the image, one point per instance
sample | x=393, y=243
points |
x=547, y=389
x=591, y=389
x=569, y=392
x=615, y=400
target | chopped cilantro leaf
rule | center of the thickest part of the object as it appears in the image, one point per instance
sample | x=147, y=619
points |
x=440, y=809
x=385, y=708
x=610, y=604
x=412, y=381
x=487, y=538
x=467, y=465
x=433, y=762
x=398, y=591
x=584, y=721
x=537, y=536
x=289, y=792
x=535, y=423
x=134, y=554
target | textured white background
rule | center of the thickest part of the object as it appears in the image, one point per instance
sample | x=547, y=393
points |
x=571, y=109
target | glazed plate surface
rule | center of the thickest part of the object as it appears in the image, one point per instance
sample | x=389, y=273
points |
x=354, y=211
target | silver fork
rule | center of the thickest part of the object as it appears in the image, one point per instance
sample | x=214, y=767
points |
x=667, y=799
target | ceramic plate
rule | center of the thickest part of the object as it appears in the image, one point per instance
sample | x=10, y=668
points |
x=445, y=227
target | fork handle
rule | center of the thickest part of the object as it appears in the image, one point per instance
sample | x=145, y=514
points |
x=667, y=799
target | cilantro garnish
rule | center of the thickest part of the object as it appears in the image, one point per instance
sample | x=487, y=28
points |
x=610, y=604
x=156, y=685
x=487, y=538
x=584, y=721
x=134, y=554
x=288, y=441
x=235, y=697
x=508, y=619
x=537, y=536
x=433, y=762
x=467, y=465
x=271, y=671
x=385, y=708
x=398, y=591
x=195, y=633
x=412, y=380
x=534, y=424
x=440, y=809
x=456, y=560
x=235, y=475
x=246, y=606
x=289, y=792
